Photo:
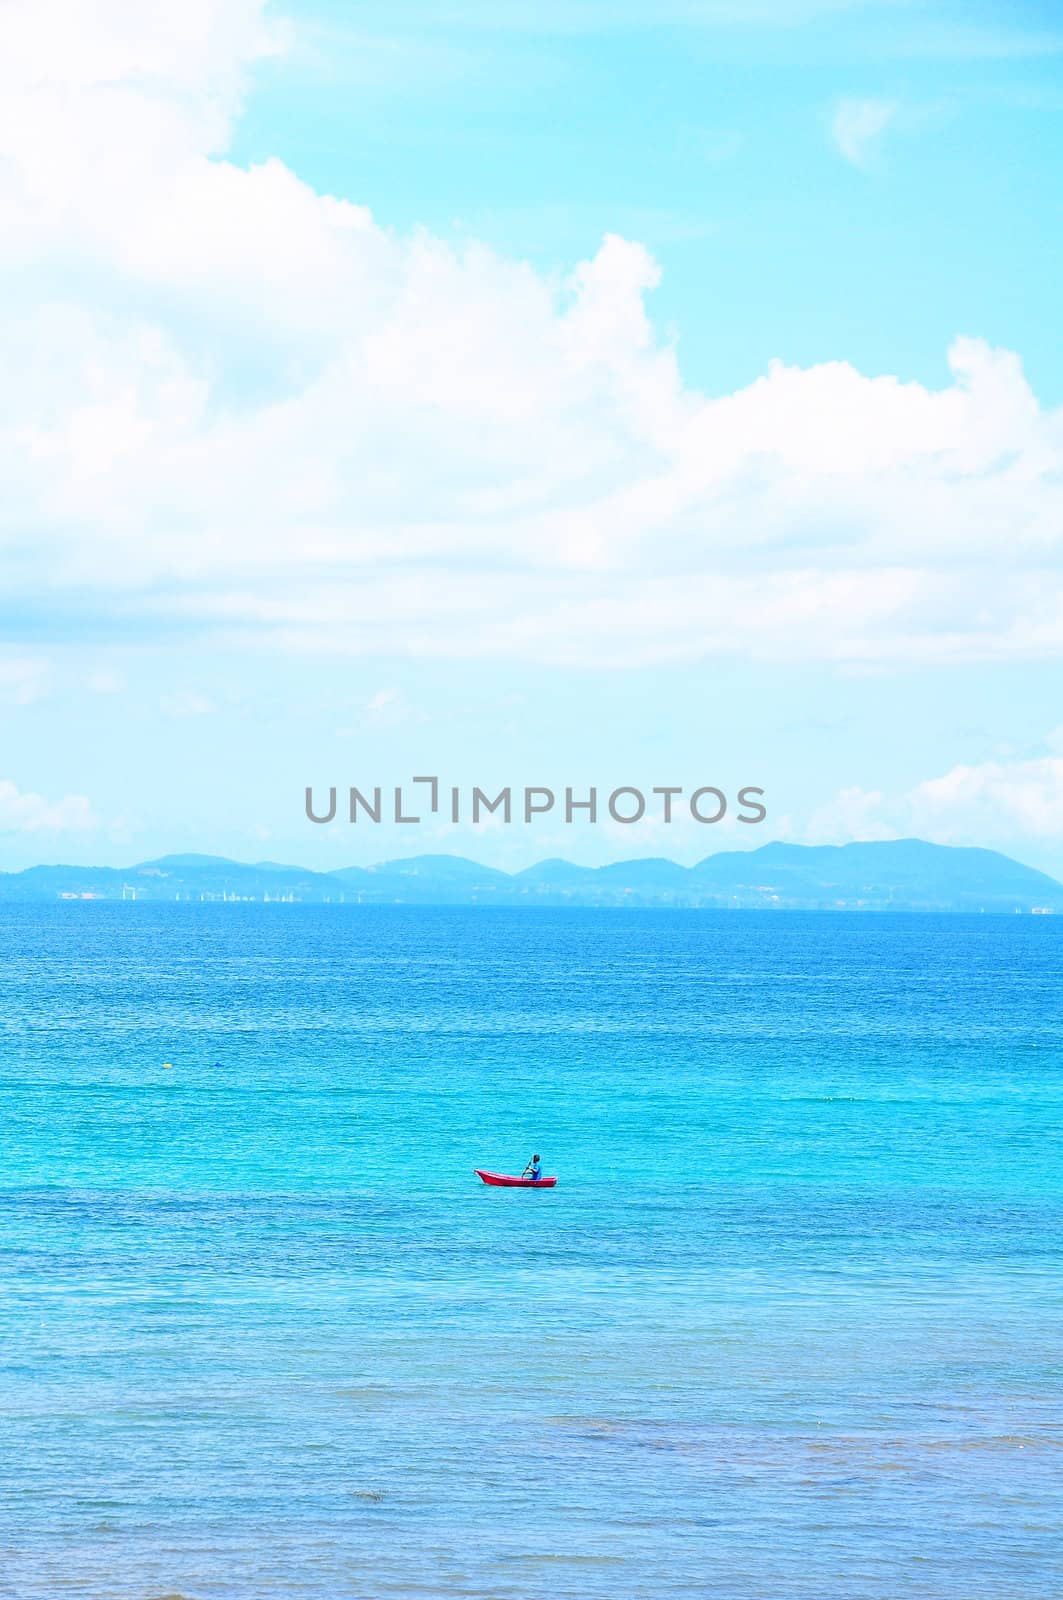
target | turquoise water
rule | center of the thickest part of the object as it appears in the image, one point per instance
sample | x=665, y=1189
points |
x=790, y=1325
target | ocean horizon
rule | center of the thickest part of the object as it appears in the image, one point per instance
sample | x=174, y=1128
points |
x=868, y=875
x=788, y=1326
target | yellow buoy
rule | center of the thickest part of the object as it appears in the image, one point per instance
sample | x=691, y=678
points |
x=168, y=1064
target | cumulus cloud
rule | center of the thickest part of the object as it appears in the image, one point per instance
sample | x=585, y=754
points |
x=970, y=804
x=22, y=812
x=995, y=799
x=245, y=407
x=854, y=813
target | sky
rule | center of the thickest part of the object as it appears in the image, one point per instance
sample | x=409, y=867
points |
x=588, y=394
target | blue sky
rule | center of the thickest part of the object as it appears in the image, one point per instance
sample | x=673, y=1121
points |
x=584, y=394
x=711, y=142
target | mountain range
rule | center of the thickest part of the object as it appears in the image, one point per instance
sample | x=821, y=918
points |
x=899, y=874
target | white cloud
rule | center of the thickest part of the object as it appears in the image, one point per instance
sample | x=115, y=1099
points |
x=106, y=682
x=31, y=813
x=383, y=703
x=854, y=813
x=858, y=128
x=993, y=801
x=388, y=708
x=255, y=411
x=22, y=680
x=186, y=703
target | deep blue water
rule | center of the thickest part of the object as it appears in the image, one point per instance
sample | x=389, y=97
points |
x=791, y=1324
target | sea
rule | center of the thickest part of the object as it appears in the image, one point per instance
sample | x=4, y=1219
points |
x=789, y=1327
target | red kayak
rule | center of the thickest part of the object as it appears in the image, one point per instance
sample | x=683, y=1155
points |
x=500, y=1181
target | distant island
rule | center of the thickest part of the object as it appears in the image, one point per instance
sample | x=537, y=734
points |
x=893, y=875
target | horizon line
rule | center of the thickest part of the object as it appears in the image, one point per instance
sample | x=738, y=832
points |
x=190, y=857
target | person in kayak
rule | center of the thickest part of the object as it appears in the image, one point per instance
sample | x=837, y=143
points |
x=533, y=1170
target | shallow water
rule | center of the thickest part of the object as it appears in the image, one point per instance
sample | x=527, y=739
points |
x=790, y=1325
